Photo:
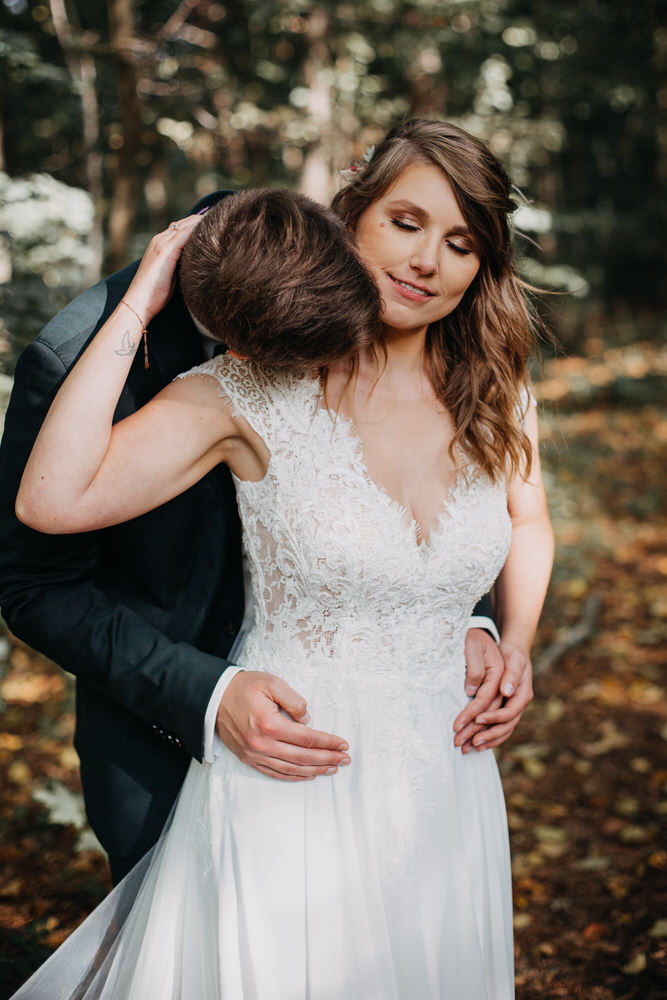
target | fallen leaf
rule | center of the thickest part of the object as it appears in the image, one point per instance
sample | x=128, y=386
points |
x=69, y=758
x=594, y=932
x=554, y=709
x=627, y=806
x=546, y=948
x=592, y=864
x=549, y=834
x=27, y=689
x=19, y=772
x=534, y=768
x=634, y=834
x=636, y=964
x=616, y=887
x=13, y=888
x=9, y=741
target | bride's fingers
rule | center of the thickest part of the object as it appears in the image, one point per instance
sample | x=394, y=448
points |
x=493, y=736
x=510, y=710
x=487, y=693
x=474, y=726
x=153, y=283
x=182, y=226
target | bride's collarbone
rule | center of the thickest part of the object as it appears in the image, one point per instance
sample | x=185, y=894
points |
x=416, y=439
x=410, y=462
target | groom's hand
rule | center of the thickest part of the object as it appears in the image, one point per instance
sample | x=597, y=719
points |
x=499, y=679
x=251, y=724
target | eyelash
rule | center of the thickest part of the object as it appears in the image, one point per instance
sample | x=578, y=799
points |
x=406, y=227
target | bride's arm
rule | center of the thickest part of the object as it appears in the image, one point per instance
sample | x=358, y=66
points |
x=520, y=590
x=84, y=472
x=522, y=584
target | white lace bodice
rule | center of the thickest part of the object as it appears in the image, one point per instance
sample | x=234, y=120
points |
x=343, y=591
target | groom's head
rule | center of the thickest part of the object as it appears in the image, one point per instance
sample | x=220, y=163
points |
x=275, y=277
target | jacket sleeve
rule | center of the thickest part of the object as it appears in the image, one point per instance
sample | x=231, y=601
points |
x=50, y=601
x=484, y=608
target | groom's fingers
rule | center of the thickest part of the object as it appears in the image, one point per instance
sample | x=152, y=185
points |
x=252, y=724
x=481, y=653
x=285, y=767
x=295, y=750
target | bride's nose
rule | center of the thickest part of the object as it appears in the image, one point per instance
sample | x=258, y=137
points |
x=424, y=257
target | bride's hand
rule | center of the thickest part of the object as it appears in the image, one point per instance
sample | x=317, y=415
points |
x=499, y=681
x=505, y=688
x=516, y=684
x=153, y=284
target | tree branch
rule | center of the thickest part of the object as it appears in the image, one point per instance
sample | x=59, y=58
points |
x=572, y=637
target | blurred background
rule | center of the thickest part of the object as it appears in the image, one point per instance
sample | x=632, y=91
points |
x=117, y=116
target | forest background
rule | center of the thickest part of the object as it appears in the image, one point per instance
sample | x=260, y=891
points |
x=116, y=116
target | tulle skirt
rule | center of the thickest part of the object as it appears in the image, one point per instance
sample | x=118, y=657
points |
x=387, y=881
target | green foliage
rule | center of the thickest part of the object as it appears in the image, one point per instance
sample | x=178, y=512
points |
x=569, y=95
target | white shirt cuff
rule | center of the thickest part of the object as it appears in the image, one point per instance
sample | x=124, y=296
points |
x=212, y=743
x=479, y=621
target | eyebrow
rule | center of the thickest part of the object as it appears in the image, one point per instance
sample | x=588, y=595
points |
x=421, y=214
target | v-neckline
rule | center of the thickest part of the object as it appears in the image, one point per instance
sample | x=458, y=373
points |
x=411, y=525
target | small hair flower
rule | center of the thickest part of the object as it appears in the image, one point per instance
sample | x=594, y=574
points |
x=350, y=173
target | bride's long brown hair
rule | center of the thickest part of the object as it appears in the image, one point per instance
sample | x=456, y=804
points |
x=477, y=354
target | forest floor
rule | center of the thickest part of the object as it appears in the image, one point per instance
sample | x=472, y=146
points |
x=585, y=774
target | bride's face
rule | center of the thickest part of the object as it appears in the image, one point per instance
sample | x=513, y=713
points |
x=419, y=248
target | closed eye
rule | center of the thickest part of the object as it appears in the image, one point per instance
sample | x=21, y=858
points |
x=457, y=248
x=404, y=225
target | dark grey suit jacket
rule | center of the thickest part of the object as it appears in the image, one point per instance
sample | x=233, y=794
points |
x=142, y=613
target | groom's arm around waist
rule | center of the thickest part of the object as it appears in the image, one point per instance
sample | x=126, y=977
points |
x=50, y=598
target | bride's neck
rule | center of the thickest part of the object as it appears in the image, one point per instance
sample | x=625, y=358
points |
x=401, y=370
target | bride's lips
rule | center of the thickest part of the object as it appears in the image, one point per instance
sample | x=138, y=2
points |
x=416, y=293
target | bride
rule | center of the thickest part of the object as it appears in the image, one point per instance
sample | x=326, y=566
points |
x=380, y=496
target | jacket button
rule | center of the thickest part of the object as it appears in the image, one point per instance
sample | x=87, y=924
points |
x=229, y=627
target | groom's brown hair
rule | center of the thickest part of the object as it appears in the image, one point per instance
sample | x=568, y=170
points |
x=275, y=277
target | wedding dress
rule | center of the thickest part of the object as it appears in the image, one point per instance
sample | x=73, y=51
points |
x=389, y=880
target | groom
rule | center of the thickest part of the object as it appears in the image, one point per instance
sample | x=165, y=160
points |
x=145, y=613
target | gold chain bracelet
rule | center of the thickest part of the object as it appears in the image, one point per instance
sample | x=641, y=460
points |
x=144, y=331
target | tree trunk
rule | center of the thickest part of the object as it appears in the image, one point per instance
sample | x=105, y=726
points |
x=81, y=66
x=316, y=176
x=2, y=134
x=126, y=177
